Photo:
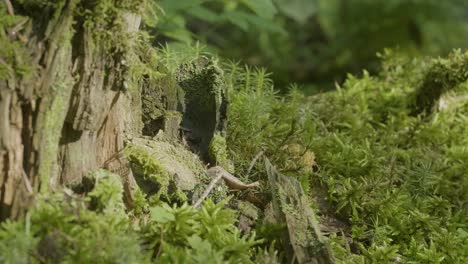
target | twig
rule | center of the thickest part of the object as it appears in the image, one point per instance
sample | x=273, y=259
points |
x=9, y=7
x=231, y=181
x=208, y=190
x=252, y=164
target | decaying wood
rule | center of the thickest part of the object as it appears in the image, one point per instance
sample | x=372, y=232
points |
x=120, y=165
x=66, y=118
x=32, y=109
x=302, y=238
x=208, y=190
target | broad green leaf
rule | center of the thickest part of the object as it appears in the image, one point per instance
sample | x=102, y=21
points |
x=328, y=11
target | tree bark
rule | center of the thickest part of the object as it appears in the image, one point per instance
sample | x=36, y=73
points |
x=69, y=116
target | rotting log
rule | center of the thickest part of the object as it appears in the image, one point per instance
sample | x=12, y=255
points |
x=302, y=238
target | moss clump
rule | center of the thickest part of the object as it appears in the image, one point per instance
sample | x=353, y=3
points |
x=106, y=196
x=218, y=154
x=105, y=21
x=64, y=227
x=398, y=179
x=161, y=98
x=149, y=169
x=186, y=235
x=205, y=102
x=394, y=178
x=15, y=60
x=443, y=75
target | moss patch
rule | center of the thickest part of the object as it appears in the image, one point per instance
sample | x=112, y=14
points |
x=218, y=154
x=205, y=102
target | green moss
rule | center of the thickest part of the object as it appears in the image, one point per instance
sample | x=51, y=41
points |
x=16, y=61
x=64, y=227
x=150, y=169
x=105, y=21
x=16, y=242
x=218, y=154
x=107, y=194
x=395, y=175
x=443, y=75
x=205, y=101
x=204, y=85
x=140, y=205
x=51, y=121
x=248, y=209
x=161, y=99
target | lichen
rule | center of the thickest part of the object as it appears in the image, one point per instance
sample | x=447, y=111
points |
x=164, y=170
x=248, y=209
x=52, y=119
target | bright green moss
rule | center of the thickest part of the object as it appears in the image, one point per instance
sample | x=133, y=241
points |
x=205, y=101
x=389, y=173
x=444, y=75
x=16, y=61
x=64, y=227
x=150, y=169
x=218, y=153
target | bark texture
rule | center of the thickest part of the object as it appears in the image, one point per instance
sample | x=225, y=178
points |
x=70, y=115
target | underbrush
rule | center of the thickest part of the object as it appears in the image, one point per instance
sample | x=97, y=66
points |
x=93, y=227
x=385, y=156
x=393, y=173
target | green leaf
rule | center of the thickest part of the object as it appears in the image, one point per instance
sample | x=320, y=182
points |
x=299, y=10
x=204, y=251
x=176, y=5
x=263, y=8
x=204, y=13
x=161, y=215
x=265, y=25
x=238, y=18
x=181, y=35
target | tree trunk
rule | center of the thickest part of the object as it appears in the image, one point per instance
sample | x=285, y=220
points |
x=70, y=114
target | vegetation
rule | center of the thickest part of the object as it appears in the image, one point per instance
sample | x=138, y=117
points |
x=317, y=41
x=381, y=158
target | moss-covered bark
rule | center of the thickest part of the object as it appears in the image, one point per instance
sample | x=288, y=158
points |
x=34, y=103
x=64, y=113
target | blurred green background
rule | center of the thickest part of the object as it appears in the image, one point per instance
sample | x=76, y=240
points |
x=315, y=43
